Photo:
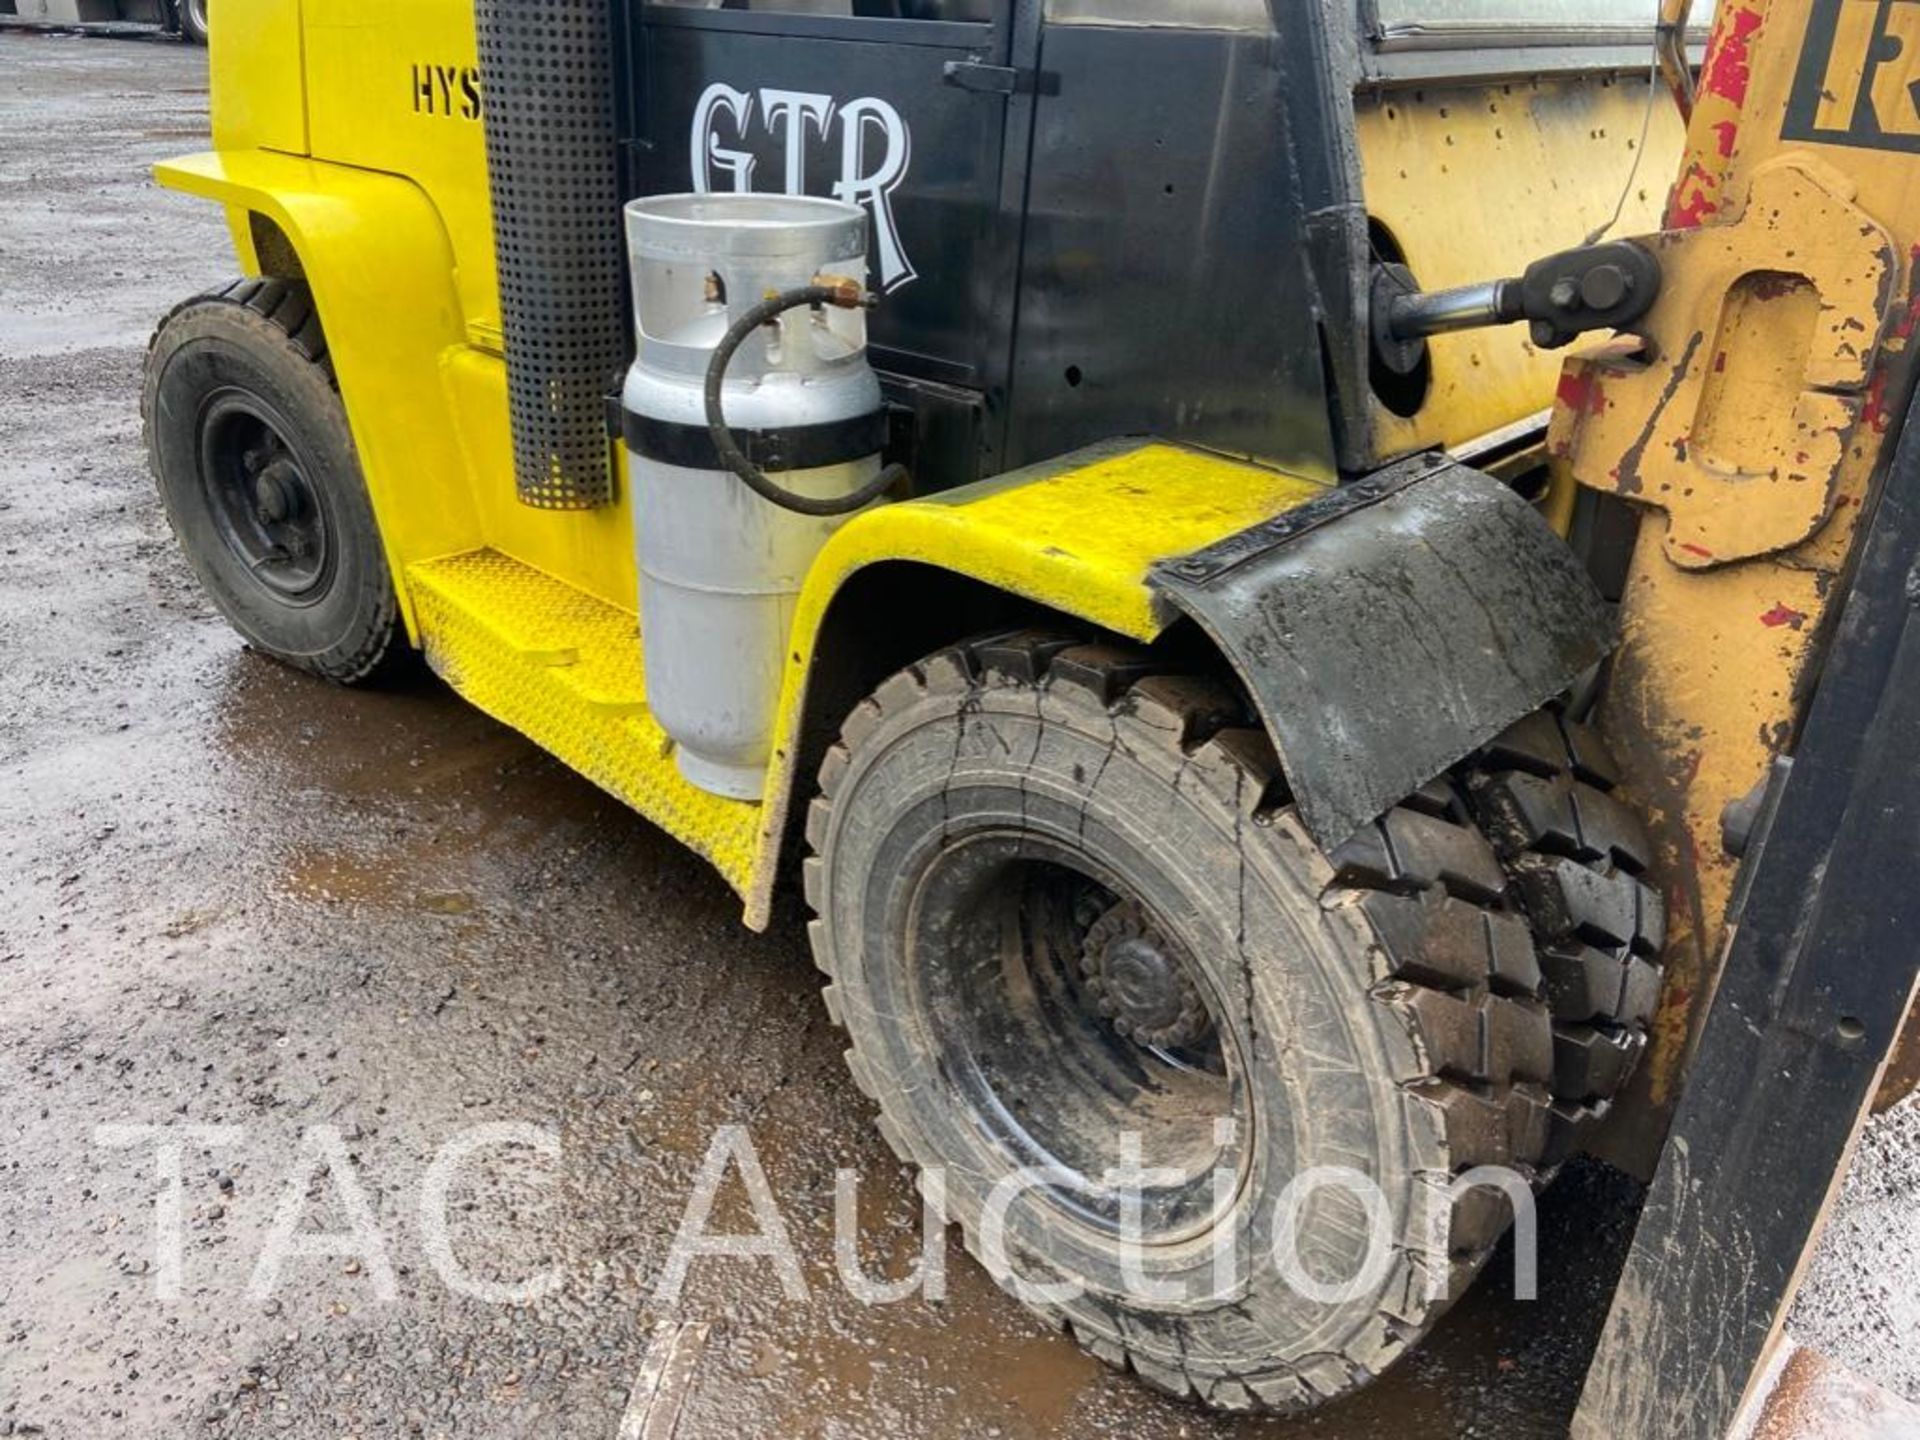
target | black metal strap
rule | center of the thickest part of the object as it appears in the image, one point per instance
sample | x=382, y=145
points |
x=784, y=447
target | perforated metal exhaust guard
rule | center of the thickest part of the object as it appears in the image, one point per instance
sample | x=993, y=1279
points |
x=546, y=71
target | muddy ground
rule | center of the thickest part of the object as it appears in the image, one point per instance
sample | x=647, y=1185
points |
x=231, y=896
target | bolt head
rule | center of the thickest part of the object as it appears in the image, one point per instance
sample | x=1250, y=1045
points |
x=1605, y=286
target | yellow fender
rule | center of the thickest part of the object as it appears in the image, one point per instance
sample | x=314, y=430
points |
x=1077, y=535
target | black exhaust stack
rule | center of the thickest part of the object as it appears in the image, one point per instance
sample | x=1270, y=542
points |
x=546, y=68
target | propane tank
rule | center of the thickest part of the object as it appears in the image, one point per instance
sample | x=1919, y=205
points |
x=721, y=566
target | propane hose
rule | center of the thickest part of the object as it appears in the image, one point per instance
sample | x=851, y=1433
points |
x=846, y=294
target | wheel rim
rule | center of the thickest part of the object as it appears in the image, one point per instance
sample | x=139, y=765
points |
x=265, y=508
x=197, y=12
x=1057, y=1059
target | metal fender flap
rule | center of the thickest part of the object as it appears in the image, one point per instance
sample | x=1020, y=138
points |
x=1389, y=628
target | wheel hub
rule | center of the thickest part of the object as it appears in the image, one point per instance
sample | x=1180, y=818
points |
x=266, y=510
x=1011, y=940
x=1140, y=982
x=275, y=493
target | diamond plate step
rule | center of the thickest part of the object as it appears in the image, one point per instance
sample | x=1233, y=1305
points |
x=564, y=669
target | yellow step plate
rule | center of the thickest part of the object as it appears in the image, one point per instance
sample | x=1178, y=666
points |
x=563, y=669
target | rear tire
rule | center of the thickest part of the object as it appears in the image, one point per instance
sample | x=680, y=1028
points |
x=996, y=827
x=193, y=21
x=249, y=444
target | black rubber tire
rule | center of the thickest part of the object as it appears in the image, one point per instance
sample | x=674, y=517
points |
x=193, y=20
x=1579, y=860
x=1400, y=955
x=261, y=339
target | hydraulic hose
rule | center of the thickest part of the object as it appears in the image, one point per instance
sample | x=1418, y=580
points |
x=847, y=296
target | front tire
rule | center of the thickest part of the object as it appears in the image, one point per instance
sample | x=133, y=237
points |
x=1061, y=896
x=250, y=446
x=193, y=21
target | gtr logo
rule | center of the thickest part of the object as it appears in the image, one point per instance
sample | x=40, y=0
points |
x=1858, y=80
x=875, y=149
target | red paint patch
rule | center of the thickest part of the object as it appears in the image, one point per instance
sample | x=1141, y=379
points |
x=1783, y=615
x=1727, y=73
x=1693, y=549
x=1692, y=201
x=1580, y=392
x=1874, y=412
x=1724, y=132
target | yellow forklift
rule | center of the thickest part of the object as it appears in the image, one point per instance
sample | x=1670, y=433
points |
x=1093, y=491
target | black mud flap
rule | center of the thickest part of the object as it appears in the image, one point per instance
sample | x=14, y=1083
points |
x=1393, y=626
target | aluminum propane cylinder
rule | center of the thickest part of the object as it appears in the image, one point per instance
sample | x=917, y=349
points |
x=720, y=567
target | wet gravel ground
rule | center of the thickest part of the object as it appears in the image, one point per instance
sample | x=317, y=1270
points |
x=349, y=928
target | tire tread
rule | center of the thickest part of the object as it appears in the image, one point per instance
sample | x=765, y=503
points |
x=1578, y=859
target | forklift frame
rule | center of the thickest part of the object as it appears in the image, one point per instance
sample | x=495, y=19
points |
x=1819, y=971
